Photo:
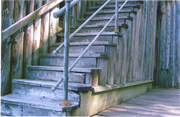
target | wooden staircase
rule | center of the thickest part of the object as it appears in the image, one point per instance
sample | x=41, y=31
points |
x=96, y=72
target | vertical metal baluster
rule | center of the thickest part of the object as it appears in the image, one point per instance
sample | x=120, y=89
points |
x=66, y=56
x=116, y=17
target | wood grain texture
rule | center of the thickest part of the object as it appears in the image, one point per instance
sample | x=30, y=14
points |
x=167, y=61
x=36, y=37
x=26, y=20
x=28, y=41
x=44, y=37
x=53, y=26
x=151, y=103
x=18, y=42
x=6, y=50
x=177, y=41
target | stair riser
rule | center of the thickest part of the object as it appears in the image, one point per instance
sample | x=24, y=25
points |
x=55, y=75
x=42, y=91
x=90, y=38
x=112, y=8
x=80, y=49
x=84, y=62
x=112, y=3
x=102, y=22
x=8, y=109
x=94, y=29
x=99, y=16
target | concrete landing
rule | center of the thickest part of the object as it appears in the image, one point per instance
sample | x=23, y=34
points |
x=160, y=102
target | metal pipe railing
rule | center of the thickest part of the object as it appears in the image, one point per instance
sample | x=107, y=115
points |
x=66, y=51
x=80, y=27
x=80, y=56
x=116, y=17
x=62, y=10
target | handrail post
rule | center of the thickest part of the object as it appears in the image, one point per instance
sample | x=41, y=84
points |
x=116, y=17
x=66, y=56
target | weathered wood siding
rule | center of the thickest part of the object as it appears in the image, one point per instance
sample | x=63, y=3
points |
x=168, y=56
x=17, y=50
x=137, y=46
x=24, y=46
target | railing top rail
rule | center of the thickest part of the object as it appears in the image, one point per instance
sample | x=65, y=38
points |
x=62, y=10
x=27, y=19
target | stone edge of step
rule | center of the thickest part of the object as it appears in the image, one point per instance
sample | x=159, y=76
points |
x=48, y=84
x=112, y=12
x=94, y=34
x=61, y=69
x=99, y=43
x=74, y=56
x=105, y=18
x=24, y=100
x=113, y=6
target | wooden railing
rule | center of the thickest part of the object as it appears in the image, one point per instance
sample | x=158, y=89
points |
x=32, y=34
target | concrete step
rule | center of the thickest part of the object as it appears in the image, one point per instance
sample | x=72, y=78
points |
x=79, y=47
x=112, y=2
x=109, y=14
x=112, y=12
x=112, y=7
x=23, y=105
x=87, y=61
x=88, y=37
x=101, y=22
x=77, y=75
x=43, y=88
x=94, y=28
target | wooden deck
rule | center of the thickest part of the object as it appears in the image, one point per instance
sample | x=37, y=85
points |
x=159, y=102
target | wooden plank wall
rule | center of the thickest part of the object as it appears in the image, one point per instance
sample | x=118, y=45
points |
x=137, y=47
x=24, y=46
x=168, y=57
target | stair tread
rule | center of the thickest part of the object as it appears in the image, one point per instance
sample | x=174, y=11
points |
x=109, y=12
x=95, y=26
x=76, y=55
x=55, y=68
x=49, y=84
x=94, y=34
x=37, y=102
x=120, y=1
x=99, y=43
x=104, y=18
x=113, y=6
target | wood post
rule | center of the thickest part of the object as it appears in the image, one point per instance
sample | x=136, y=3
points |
x=53, y=26
x=36, y=39
x=18, y=42
x=123, y=30
x=6, y=49
x=28, y=41
x=44, y=42
x=177, y=78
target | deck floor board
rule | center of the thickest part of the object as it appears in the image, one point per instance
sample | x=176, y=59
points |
x=160, y=102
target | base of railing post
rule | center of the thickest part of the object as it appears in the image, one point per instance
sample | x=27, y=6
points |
x=65, y=103
x=116, y=30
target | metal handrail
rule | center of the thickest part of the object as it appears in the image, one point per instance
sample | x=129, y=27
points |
x=80, y=27
x=62, y=10
x=76, y=61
